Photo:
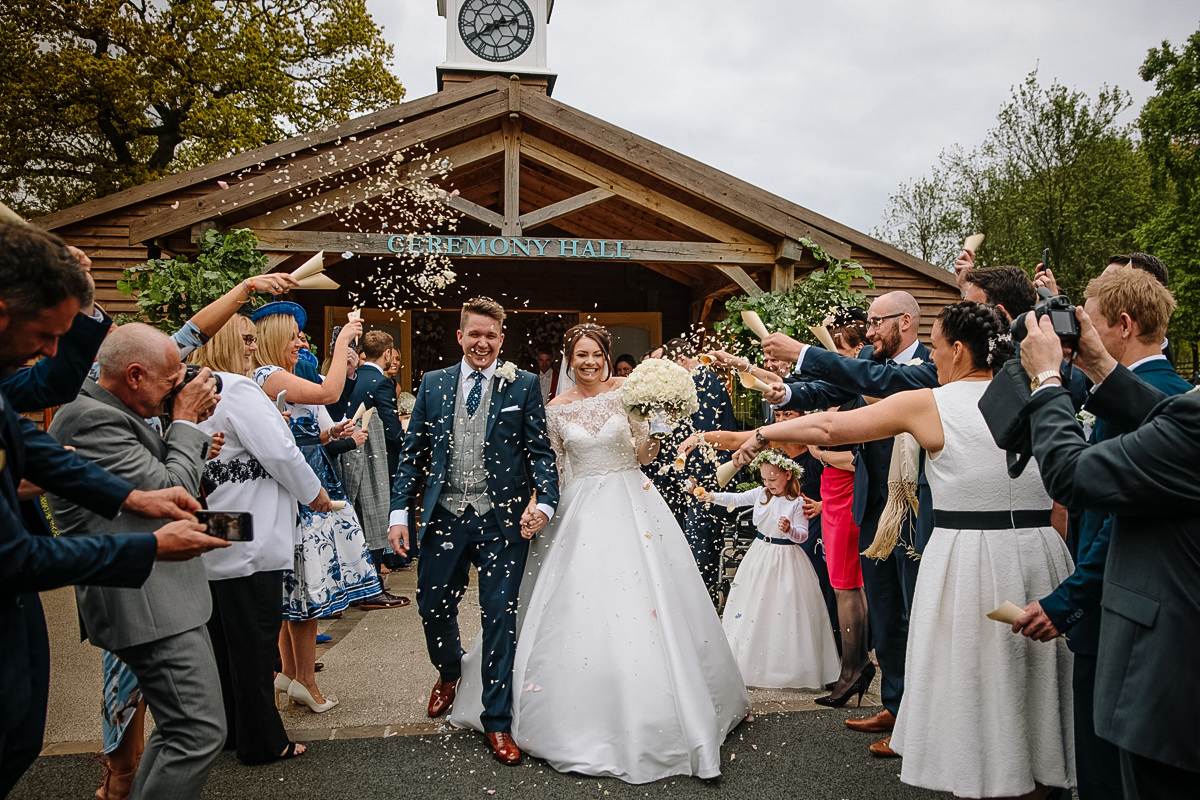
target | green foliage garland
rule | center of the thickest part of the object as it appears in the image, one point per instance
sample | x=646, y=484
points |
x=170, y=290
x=791, y=312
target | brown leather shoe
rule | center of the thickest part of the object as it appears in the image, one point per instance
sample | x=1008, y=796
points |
x=884, y=749
x=441, y=696
x=883, y=722
x=385, y=600
x=504, y=749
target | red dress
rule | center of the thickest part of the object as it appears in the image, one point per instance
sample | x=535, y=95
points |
x=838, y=528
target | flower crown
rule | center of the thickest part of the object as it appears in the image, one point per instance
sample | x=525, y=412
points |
x=777, y=459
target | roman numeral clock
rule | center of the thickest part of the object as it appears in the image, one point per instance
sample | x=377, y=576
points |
x=496, y=37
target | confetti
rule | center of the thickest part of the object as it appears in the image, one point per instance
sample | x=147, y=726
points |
x=175, y=204
x=223, y=184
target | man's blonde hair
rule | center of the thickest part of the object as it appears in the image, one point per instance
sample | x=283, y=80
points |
x=1138, y=294
x=484, y=307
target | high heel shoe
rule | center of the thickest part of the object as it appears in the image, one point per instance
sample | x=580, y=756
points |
x=299, y=693
x=859, y=687
x=282, y=682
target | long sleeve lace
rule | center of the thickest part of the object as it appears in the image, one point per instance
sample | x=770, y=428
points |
x=553, y=421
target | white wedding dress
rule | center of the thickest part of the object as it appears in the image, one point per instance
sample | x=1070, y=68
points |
x=985, y=712
x=622, y=668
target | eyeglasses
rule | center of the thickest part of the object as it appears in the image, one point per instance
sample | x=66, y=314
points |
x=249, y=339
x=875, y=322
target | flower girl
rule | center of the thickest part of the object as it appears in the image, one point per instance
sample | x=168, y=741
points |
x=775, y=616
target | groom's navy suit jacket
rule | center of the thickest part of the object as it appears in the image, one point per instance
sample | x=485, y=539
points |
x=516, y=453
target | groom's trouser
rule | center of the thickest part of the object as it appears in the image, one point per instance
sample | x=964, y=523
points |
x=449, y=545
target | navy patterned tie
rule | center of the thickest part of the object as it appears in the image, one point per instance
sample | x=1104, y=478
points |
x=476, y=393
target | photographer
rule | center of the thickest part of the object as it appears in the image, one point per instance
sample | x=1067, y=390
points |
x=1150, y=623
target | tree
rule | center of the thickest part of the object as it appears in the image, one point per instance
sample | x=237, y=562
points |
x=1170, y=126
x=1058, y=171
x=101, y=95
x=924, y=220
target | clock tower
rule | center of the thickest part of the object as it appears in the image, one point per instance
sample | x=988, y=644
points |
x=496, y=37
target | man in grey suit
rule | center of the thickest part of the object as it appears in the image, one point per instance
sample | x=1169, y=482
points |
x=158, y=630
x=1145, y=473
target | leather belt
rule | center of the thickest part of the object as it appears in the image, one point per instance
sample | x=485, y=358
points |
x=990, y=520
x=772, y=540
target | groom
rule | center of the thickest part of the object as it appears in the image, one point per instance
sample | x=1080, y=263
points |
x=477, y=443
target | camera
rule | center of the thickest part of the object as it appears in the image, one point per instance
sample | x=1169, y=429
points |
x=189, y=374
x=1062, y=316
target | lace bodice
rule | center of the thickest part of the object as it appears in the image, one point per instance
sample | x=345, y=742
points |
x=594, y=436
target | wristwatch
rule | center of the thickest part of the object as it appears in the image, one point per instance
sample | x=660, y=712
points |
x=758, y=437
x=1042, y=377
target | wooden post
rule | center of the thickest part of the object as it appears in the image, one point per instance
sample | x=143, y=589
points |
x=783, y=277
x=512, y=177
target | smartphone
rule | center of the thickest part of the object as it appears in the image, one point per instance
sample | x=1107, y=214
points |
x=281, y=401
x=1045, y=260
x=232, y=526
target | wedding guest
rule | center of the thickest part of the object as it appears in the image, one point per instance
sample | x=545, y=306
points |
x=894, y=362
x=992, y=541
x=42, y=289
x=374, y=389
x=547, y=373
x=331, y=563
x=158, y=631
x=1146, y=475
x=775, y=617
x=260, y=470
x=614, y=674
x=1130, y=311
x=624, y=365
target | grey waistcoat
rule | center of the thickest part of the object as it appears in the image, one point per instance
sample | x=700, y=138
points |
x=466, y=479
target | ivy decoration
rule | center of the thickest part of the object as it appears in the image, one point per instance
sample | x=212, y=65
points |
x=792, y=312
x=171, y=290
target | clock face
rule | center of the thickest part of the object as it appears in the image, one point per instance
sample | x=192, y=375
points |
x=496, y=30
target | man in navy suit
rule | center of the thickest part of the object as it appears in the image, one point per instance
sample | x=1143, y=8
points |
x=42, y=288
x=375, y=389
x=477, y=442
x=894, y=362
x=1130, y=310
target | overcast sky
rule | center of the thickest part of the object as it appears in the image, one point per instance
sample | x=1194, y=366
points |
x=831, y=105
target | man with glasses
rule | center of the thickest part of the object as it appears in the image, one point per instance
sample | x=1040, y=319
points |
x=894, y=362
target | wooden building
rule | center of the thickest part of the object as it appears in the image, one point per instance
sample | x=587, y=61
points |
x=560, y=212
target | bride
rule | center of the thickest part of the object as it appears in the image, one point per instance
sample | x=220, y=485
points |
x=622, y=668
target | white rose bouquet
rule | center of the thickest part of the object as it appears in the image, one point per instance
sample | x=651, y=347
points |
x=660, y=392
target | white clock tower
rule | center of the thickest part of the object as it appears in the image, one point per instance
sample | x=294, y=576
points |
x=496, y=37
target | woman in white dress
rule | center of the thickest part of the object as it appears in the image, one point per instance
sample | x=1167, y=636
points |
x=985, y=713
x=775, y=616
x=622, y=668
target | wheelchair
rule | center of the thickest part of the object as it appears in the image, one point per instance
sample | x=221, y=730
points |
x=738, y=535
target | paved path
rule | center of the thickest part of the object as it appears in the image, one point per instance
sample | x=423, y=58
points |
x=378, y=743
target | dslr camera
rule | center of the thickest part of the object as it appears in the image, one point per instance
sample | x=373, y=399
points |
x=189, y=374
x=1062, y=316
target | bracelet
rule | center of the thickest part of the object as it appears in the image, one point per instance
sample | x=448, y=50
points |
x=758, y=437
x=250, y=289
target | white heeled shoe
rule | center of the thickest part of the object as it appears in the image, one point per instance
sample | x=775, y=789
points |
x=299, y=693
x=282, y=682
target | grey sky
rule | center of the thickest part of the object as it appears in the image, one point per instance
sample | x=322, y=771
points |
x=831, y=105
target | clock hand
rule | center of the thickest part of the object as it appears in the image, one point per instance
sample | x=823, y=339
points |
x=491, y=26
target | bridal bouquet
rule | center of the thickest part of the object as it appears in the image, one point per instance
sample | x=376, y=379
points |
x=660, y=392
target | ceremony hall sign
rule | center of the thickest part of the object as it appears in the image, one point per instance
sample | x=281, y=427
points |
x=508, y=247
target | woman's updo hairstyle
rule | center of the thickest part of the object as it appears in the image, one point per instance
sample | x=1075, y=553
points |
x=982, y=329
x=597, y=333
x=849, y=324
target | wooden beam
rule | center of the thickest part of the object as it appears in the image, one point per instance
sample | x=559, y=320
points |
x=476, y=211
x=744, y=199
x=718, y=254
x=305, y=171
x=783, y=277
x=739, y=276
x=369, y=188
x=789, y=251
x=580, y=168
x=272, y=152
x=512, y=176
x=564, y=207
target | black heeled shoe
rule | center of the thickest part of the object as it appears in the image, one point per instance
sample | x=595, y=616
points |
x=859, y=687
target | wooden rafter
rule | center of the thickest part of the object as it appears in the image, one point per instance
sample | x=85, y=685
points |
x=476, y=212
x=562, y=208
x=512, y=173
x=739, y=276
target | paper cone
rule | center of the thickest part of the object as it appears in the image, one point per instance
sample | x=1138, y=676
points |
x=358, y=414
x=822, y=334
x=973, y=241
x=725, y=472
x=313, y=266
x=355, y=315
x=318, y=281
x=754, y=323
x=751, y=381
x=1008, y=612
x=705, y=359
x=338, y=505
x=366, y=420
x=7, y=215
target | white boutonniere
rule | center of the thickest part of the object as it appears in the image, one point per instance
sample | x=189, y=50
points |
x=916, y=362
x=507, y=372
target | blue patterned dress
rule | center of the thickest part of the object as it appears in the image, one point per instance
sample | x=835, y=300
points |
x=332, y=564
